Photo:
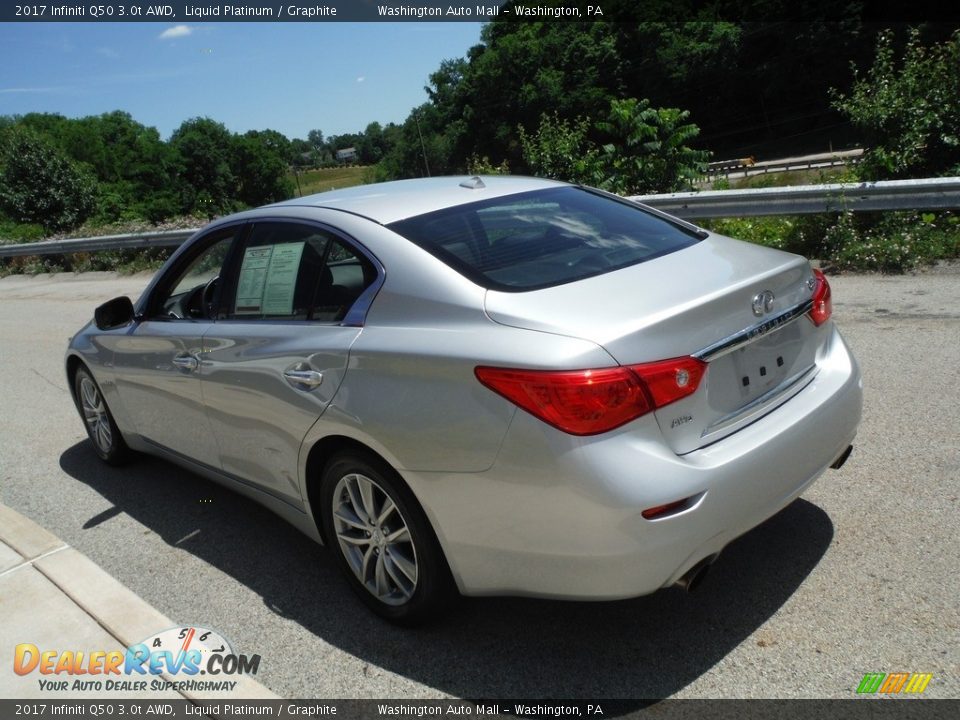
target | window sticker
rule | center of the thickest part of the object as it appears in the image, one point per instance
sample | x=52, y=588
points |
x=282, y=279
x=268, y=277
x=253, y=275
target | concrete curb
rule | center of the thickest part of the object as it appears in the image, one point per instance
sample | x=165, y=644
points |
x=25, y=536
x=119, y=611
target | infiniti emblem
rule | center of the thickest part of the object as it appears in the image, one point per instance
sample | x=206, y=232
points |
x=762, y=303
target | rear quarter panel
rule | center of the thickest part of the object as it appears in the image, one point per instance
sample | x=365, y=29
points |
x=410, y=392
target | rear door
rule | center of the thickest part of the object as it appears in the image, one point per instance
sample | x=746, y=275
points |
x=277, y=354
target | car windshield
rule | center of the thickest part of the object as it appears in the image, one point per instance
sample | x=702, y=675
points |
x=543, y=238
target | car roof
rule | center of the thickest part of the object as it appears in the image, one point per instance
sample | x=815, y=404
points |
x=392, y=201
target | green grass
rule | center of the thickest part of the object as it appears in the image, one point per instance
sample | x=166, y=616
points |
x=314, y=181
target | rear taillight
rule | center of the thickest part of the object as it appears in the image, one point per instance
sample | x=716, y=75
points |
x=822, y=305
x=670, y=380
x=588, y=402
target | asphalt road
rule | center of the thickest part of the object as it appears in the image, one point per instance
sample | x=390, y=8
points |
x=860, y=575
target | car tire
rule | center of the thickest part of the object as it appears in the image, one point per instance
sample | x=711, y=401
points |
x=98, y=420
x=382, y=541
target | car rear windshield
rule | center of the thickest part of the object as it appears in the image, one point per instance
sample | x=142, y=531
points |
x=543, y=238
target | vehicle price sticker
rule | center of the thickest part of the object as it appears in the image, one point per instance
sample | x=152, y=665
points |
x=253, y=276
x=268, y=277
x=282, y=279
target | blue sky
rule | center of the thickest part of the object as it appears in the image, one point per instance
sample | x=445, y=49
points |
x=290, y=77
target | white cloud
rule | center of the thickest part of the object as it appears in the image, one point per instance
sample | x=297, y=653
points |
x=108, y=53
x=11, y=90
x=361, y=78
x=176, y=31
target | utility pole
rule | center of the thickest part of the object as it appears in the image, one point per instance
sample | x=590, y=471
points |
x=423, y=148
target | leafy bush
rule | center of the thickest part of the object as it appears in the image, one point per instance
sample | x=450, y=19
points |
x=887, y=243
x=126, y=262
x=41, y=185
x=15, y=232
x=908, y=112
x=159, y=206
x=560, y=149
x=647, y=149
x=483, y=166
x=895, y=243
x=644, y=149
x=775, y=232
x=123, y=261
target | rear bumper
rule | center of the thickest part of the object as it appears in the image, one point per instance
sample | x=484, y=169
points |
x=559, y=516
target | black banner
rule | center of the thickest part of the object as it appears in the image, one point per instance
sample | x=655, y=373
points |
x=859, y=709
x=474, y=11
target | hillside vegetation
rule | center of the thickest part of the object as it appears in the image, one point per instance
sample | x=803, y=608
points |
x=628, y=106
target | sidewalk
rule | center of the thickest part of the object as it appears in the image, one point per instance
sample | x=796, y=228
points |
x=56, y=598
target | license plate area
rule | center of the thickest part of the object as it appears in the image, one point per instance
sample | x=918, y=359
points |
x=740, y=377
x=742, y=386
x=759, y=369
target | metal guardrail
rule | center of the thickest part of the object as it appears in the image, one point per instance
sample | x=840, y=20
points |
x=925, y=194
x=132, y=241
x=806, y=162
x=748, y=167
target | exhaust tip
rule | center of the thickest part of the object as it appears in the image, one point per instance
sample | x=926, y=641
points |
x=838, y=463
x=692, y=579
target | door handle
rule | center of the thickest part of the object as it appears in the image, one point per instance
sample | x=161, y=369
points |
x=303, y=379
x=186, y=362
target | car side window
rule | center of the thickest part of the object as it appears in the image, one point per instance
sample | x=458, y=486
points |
x=294, y=271
x=192, y=293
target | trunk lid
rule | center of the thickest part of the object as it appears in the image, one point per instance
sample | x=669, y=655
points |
x=696, y=300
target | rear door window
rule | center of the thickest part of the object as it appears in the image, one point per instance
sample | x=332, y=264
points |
x=295, y=271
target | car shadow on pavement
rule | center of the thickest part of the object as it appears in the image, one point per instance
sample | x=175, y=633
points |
x=485, y=648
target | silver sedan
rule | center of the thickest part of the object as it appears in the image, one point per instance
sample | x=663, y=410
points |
x=481, y=385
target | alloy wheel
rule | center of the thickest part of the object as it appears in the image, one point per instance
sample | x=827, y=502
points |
x=375, y=539
x=95, y=415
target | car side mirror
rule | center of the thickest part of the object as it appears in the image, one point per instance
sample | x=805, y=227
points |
x=114, y=313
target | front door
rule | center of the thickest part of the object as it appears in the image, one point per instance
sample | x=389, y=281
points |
x=158, y=363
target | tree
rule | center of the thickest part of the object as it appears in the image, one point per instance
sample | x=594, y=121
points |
x=301, y=152
x=908, y=112
x=315, y=138
x=260, y=166
x=648, y=149
x=518, y=73
x=751, y=80
x=372, y=145
x=451, y=98
x=133, y=165
x=203, y=154
x=40, y=184
x=419, y=148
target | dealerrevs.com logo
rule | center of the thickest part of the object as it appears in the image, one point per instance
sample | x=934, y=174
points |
x=894, y=683
x=183, y=653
